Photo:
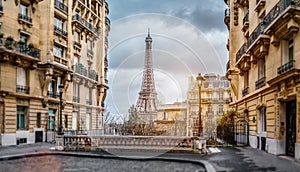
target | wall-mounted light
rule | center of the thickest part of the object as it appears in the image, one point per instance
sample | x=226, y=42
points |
x=253, y=119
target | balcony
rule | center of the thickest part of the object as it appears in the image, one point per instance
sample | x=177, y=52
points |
x=61, y=60
x=280, y=14
x=227, y=18
x=60, y=32
x=286, y=68
x=246, y=22
x=19, y=47
x=107, y=21
x=25, y=18
x=23, y=89
x=61, y=6
x=80, y=69
x=245, y=91
x=76, y=99
x=241, y=52
x=92, y=74
x=260, y=4
x=77, y=45
x=78, y=19
x=90, y=53
x=53, y=94
x=260, y=83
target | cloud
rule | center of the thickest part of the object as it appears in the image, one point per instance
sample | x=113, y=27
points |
x=182, y=47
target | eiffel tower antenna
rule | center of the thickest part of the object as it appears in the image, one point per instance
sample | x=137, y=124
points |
x=147, y=101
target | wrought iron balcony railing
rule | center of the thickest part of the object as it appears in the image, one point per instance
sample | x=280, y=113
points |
x=241, y=52
x=25, y=18
x=80, y=69
x=1, y=9
x=89, y=102
x=60, y=31
x=260, y=83
x=245, y=91
x=92, y=74
x=53, y=94
x=246, y=18
x=61, y=6
x=86, y=24
x=286, y=67
x=255, y=34
x=20, y=47
x=23, y=89
x=77, y=44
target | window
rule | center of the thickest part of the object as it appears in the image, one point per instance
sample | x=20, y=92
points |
x=246, y=79
x=209, y=109
x=24, y=38
x=221, y=95
x=76, y=36
x=209, y=96
x=58, y=23
x=23, y=10
x=53, y=90
x=89, y=96
x=165, y=115
x=263, y=119
x=74, y=120
x=51, y=119
x=38, y=120
x=220, y=108
x=58, y=52
x=261, y=68
x=21, y=117
x=287, y=51
x=21, y=76
x=88, y=119
x=76, y=89
x=89, y=45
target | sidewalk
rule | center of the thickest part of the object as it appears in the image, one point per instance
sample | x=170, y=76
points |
x=26, y=148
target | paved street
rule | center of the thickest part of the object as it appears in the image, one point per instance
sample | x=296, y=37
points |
x=222, y=159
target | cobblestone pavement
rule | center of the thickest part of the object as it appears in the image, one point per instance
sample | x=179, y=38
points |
x=68, y=163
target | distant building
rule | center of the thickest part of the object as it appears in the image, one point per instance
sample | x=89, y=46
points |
x=215, y=96
x=44, y=44
x=172, y=119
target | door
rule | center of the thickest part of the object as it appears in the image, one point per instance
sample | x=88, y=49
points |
x=38, y=136
x=290, y=127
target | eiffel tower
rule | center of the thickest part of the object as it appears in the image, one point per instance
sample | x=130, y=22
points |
x=147, y=101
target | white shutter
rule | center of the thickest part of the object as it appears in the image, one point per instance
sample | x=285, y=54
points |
x=74, y=121
x=21, y=76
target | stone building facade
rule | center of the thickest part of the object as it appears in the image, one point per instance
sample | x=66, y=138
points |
x=215, y=96
x=263, y=69
x=44, y=44
x=172, y=119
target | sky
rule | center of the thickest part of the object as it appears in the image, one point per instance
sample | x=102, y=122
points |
x=189, y=37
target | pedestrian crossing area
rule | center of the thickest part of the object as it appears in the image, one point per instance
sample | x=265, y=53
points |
x=214, y=150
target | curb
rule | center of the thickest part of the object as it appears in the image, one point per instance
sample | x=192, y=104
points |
x=206, y=165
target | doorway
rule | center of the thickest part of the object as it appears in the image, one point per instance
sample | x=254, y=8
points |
x=290, y=127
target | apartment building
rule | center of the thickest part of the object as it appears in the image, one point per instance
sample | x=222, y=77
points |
x=52, y=49
x=263, y=69
x=215, y=97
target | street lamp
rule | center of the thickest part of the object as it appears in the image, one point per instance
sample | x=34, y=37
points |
x=61, y=89
x=200, y=79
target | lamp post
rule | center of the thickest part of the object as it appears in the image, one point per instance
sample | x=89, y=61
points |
x=200, y=79
x=60, y=129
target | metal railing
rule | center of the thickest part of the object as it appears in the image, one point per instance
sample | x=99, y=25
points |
x=241, y=52
x=23, y=89
x=80, y=69
x=107, y=20
x=77, y=44
x=1, y=9
x=246, y=18
x=53, y=94
x=260, y=83
x=25, y=18
x=286, y=67
x=89, y=102
x=60, y=31
x=61, y=6
x=86, y=24
x=20, y=47
x=255, y=34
